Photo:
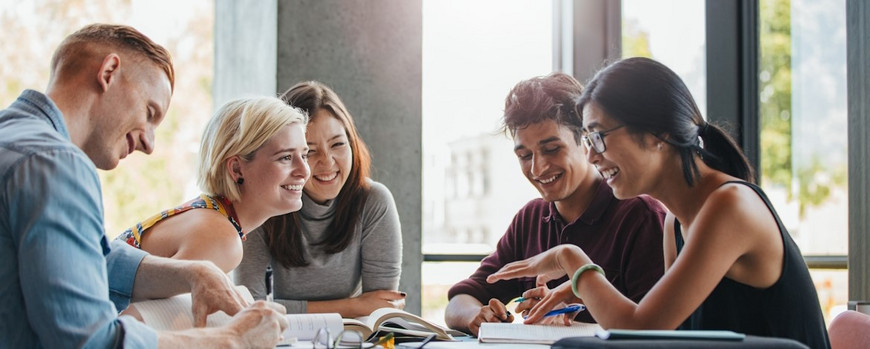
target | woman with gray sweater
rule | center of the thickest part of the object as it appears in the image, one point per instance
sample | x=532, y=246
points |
x=342, y=252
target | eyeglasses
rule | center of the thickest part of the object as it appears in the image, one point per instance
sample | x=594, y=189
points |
x=324, y=339
x=595, y=140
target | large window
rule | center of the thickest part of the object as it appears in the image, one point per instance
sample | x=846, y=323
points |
x=473, y=53
x=671, y=32
x=802, y=85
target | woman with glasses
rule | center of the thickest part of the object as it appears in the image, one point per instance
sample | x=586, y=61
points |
x=730, y=263
x=342, y=252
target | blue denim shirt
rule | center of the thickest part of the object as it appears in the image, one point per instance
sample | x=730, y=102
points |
x=61, y=282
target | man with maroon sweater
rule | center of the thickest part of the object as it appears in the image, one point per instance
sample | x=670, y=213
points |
x=576, y=207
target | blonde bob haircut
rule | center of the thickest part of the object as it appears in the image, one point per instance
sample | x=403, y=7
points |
x=239, y=128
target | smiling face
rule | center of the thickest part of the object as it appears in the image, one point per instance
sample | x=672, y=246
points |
x=126, y=114
x=330, y=156
x=276, y=174
x=552, y=160
x=630, y=165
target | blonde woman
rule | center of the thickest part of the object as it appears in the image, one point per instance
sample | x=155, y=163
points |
x=253, y=165
x=343, y=251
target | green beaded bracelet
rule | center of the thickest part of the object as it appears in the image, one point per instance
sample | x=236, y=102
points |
x=576, y=277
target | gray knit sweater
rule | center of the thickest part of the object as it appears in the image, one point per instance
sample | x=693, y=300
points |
x=371, y=262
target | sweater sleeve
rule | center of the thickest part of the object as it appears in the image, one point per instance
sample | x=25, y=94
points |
x=381, y=241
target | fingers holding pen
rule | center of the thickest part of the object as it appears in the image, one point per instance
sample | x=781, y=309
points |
x=493, y=311
x=537, y=312
x=499, y=311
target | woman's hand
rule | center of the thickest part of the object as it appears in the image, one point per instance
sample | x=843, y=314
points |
x=370, y=301
x=556, y=298
x=534, y=296
x=549, y=265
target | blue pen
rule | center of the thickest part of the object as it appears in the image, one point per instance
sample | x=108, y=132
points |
x=568, y=309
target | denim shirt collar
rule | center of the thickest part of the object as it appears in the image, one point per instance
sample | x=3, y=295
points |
x=44, y=107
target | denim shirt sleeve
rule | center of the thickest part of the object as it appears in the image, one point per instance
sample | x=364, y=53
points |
x=64, y=257
x=122, y=262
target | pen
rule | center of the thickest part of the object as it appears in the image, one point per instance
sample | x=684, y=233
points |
x=523, y=299
x=426, y=341
x=568, y=309
x=565, y=310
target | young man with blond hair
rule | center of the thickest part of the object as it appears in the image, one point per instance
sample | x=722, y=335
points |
x=63, y=283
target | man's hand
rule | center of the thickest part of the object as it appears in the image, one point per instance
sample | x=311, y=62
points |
x=494, y=311
x=260, y=325
x=211, y=290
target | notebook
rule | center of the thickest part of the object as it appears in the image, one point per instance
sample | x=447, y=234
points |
x=497, y=332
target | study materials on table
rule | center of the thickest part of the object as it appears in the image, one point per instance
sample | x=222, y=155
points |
x=495, y=332
x=174, y=313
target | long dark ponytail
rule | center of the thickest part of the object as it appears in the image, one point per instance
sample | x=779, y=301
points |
x=646, y=96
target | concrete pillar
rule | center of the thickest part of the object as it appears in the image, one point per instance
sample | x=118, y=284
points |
x=370, y=53
x=246, y=46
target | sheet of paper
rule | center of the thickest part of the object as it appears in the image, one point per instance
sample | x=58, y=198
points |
x=305, y=326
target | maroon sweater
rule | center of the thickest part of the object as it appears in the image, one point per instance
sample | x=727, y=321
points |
x=622, y=236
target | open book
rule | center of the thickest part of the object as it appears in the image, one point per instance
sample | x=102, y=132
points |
x=496, y=332
x=174, y=313
x=384, y=320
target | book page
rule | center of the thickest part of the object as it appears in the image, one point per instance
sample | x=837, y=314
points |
x=305, y=326
x=175, y=313
x=493, y=332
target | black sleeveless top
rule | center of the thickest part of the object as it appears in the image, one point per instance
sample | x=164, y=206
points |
x=787, y=309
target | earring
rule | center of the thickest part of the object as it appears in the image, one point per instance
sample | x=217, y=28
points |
x=660, y=146
x=240, y=181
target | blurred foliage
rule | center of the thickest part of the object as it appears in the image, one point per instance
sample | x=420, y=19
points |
x=635, y=41
x=810, y=182
x=775, y=88
x=141, y=185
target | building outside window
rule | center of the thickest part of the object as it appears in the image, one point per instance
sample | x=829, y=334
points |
x=472, y=184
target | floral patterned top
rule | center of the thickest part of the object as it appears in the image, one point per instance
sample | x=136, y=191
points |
x=133, y=235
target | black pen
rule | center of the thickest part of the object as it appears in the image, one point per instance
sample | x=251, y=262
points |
x=427, y=340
